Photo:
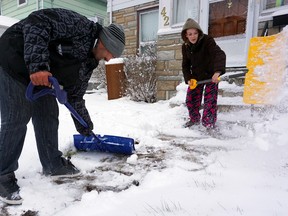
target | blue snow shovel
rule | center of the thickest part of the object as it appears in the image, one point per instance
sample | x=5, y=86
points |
x=106, y=143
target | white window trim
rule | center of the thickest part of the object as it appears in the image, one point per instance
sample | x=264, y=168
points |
x=146, y=12
x=177, y=28
x=141, y=43
x=20, y=5
x=266, y=15
x=214, y=1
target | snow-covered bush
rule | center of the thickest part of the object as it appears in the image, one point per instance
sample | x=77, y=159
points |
x=140, y=82
x=99, y=75
x=141, y=76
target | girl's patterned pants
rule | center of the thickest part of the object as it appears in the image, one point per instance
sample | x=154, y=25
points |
x=193, y=102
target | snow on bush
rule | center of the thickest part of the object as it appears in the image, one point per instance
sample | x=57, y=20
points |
x=140, y=82
x=99, y=76
x=141, y=76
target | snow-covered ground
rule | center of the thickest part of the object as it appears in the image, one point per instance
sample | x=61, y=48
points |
x=242, y=170
x=175, y=171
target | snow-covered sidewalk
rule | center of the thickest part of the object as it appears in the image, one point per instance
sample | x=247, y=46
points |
x=175, y=171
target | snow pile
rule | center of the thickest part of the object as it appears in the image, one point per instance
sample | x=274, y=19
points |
x=115, y=61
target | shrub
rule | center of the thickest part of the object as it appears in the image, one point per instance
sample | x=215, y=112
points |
x=141, y=76
x=99, y=75
x=140, y=82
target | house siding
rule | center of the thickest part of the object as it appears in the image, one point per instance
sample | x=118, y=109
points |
x=122, y=4
x=85, y=7
x=11, y=9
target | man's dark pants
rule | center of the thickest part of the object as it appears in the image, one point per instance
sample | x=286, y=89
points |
x=16, y=112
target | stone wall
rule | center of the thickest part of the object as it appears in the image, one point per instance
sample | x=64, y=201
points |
x=168, y=69
x=128, y=18
x=169, y=65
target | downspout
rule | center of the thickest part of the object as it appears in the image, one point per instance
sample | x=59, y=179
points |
x=39, y=6
x=110, y=12
x=204, y=15
x=252, y=23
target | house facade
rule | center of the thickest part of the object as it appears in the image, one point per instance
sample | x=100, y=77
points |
x=96, y=10
x=231, y=22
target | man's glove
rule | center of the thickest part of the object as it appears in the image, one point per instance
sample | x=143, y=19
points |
x=83, y=112
x=81, y=129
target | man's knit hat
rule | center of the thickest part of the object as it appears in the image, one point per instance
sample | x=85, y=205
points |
x=113, y=38
x=190, y=23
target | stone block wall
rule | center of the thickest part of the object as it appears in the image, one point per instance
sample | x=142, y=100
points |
x=169, y=65
x=128, y=18
x=169, y=62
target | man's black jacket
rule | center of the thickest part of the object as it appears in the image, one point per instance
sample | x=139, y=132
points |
x=56, y=40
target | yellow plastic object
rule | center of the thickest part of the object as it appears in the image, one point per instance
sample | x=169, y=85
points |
x=193, y=84
x=266, y=68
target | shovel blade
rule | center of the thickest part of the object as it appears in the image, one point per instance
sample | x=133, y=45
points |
x=106, y=143
x=266, y=70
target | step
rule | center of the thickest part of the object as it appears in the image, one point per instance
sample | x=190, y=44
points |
x=229, y=93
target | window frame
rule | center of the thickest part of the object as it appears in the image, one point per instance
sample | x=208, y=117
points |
x=22, y=4
x=166, y=25
x=174, y=15
x=267, y=14
x=275, y=7
x=139, y=41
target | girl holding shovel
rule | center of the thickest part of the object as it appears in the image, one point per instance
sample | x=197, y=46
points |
x=202, y=59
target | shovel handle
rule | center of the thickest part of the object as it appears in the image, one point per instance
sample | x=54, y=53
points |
x=61, y=96
x=194, y=82
x=56, y=91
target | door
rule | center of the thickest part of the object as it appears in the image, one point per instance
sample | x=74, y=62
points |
x=227, y=24
x=227, y=18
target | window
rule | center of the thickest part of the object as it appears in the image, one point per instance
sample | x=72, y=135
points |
x=148, y=27
x=174, y=13
x=227, y=17
x=183, y=9
x=22, y=2
x=275, y=3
